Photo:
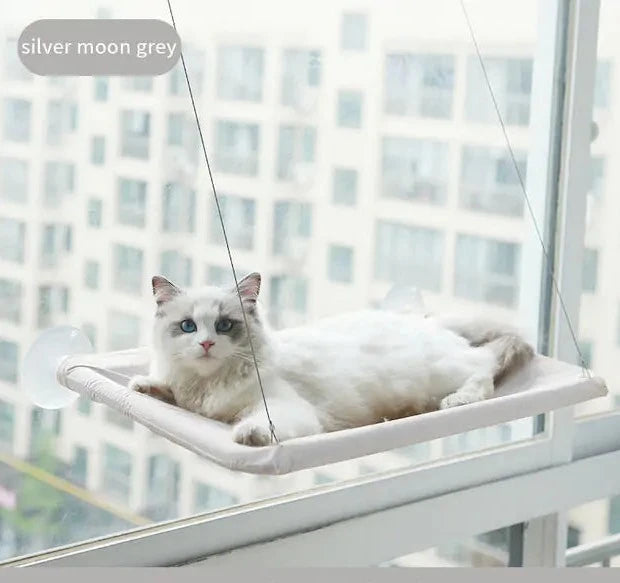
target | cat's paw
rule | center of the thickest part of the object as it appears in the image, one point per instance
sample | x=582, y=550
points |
x=453, y=400
x=141, y=384
x=251, y=433
x=149, y=386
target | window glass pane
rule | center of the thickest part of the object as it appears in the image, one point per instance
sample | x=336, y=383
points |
x=414, y=170
x=240, y=73
x=116, y=471
x=16, y=119
x=352, y=150
x=10, y=300
x=239, y=219
x=345, y=186
x=511, y=79
x=354, y=29
x=350, y=109
x=419, y=85
x=132, y=202
x=340, y=263
x=128, y=269
x=97, y=150
x=236, y=148
x=13, y=180
x=599, y=317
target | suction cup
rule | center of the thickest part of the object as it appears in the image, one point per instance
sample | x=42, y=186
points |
x=404, y=298
x=41, y=364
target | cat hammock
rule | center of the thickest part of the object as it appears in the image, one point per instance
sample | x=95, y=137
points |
x=57, y=368
x=544, y=385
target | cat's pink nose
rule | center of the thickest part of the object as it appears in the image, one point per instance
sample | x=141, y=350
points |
x=207, y=344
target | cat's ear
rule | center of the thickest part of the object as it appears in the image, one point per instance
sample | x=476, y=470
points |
x=163, y=290
x=249, y=287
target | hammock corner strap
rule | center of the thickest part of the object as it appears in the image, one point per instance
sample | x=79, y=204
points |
x=543, y=385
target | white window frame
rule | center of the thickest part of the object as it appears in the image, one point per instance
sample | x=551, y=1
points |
x=394, y=513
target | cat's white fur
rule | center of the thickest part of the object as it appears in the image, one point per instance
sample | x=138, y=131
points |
x=345, y=371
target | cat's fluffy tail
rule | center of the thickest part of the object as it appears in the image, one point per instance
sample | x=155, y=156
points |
x=509, y=347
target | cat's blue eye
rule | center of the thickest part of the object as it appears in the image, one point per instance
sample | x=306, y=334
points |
x=188, y=326
x=223, y=325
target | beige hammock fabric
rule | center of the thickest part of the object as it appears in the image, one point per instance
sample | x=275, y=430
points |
x=544, y=385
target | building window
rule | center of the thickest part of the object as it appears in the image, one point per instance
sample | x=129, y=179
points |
x=182, y=133
x=489, y=181
x=350, y=109
x=91, y=274
x=97, y=150
x=95, y=212
x=142, y=84
x=194, y=60
x=408, y=255
x=16, y=120
x=344, y=186
x=589, y=270
x=117, y=470
x=128, y=269
x=131, y=208
x=415, y=170
x=79, y=465
x=113, y=417
x=101, y=88
x=239, y=216
x=124, y=331
x=512, y=84
x=179, y=208
x=176, y=123
x=288, y=299
x=62, y=119
x=353, y=32
x=340, y=264
x=12, y=240
x=84, y=404
x=162, y=491
x=13, y=180
x=296, y=153
x=177, y=267
x=10, y=300
x=236, y=149
x=219, y=276
x=301, y=75
x=53, y=301
x=59, y=182
x=240, y=73
x=13, y=67
x=8, y=361
x=44, y=424
x=56, y=241
x=208, y=497
x=586, y=348
x=602, y=83
x=7, y=425
x=91, y=332
x=419, y=85
x=135, y=133
x=292, y=227
x=486, y=270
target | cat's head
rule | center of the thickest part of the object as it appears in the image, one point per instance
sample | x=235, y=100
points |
x=205, y=329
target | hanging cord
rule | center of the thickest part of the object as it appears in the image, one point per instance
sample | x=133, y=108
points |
x=548, y=263
x=272, y=429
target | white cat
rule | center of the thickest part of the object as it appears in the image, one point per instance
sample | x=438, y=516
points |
x=344, y=371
